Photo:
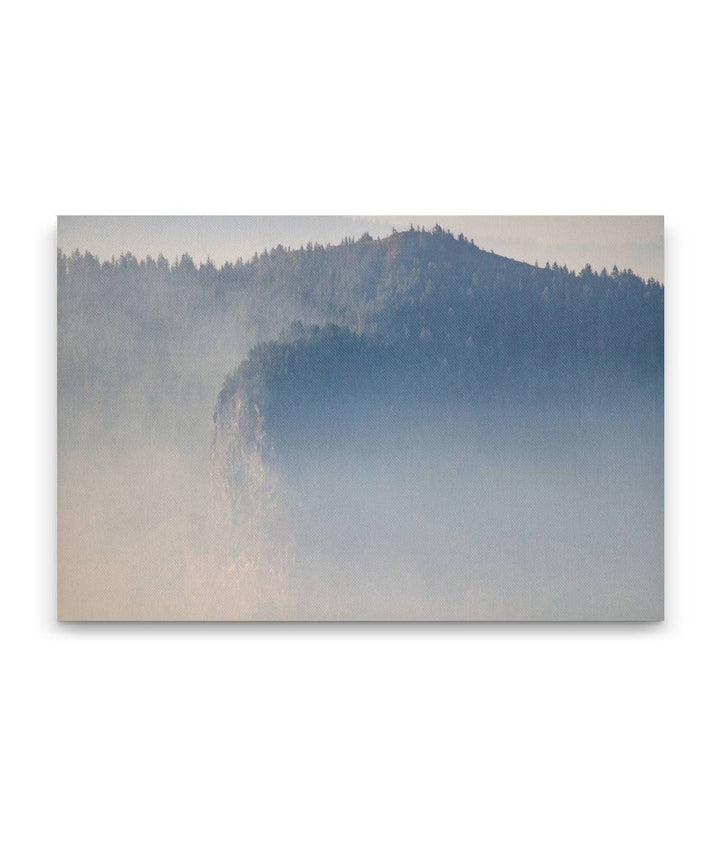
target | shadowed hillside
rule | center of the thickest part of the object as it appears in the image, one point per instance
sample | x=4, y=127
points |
x=435, y=318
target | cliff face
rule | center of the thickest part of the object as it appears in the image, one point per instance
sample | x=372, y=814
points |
x=242, y=479
x=251, y=537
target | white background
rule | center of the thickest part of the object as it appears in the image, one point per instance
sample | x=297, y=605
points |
x=359, y=739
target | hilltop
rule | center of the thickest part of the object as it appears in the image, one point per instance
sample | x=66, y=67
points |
x=422, y=322
x=429, y=307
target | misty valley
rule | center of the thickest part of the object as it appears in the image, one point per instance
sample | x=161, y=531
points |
x=400, y=428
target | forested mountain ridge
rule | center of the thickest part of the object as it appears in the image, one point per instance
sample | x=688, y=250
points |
x=346, y=281
x=426, y=320
x=415, y=311
x=433, y=310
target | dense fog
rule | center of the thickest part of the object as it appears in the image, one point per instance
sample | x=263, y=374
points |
x=520, y=517
x=142, y=353
x=396, y=429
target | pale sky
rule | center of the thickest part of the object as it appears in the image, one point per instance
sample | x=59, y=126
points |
x=626, y=241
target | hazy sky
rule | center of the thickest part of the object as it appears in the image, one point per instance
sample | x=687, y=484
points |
x=635, y=242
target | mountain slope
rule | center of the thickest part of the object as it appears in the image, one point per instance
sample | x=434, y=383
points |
x=433, y=322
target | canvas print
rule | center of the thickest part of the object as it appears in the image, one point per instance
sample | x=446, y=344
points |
x=360, y=418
